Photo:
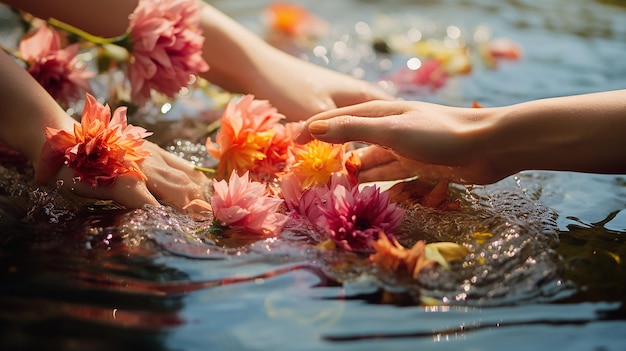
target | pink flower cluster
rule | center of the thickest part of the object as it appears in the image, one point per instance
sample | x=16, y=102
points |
x=317, y=180
x=164, y=40
x=166, y=47
x=352, y=218
x=56, y=69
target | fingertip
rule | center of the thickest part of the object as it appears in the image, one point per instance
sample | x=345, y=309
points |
x=318, y=128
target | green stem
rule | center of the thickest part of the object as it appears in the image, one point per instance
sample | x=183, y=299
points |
x=13, y=53
x=204, y=169
x=121, y=40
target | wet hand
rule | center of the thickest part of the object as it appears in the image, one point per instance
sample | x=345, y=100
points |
x=171, y=179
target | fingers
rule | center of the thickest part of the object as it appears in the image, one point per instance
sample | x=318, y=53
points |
x=373, y=156
x=128, y=191
x=342, y=129
x=174, y=180
x=359, y=122
x=131, y=192
x=379, y=164
x=368, y=92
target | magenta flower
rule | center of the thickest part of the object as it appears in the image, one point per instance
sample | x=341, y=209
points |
x=244, y=203
x=166, y=47
x=56, y=69
x=354, y=218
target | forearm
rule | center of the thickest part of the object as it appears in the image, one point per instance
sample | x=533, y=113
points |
x=583, y=133
x=236, y=56
x=102, y=18
x=26, y=109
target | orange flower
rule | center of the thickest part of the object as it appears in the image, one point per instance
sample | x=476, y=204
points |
x=101, y=148
x=315, y=162
x=249, y=138
x=293, y=20
x=276, y=155
x=392, y=256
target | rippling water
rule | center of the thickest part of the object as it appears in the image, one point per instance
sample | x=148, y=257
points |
x=97, y=277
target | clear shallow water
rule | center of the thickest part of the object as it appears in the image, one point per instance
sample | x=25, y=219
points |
x=96, y=277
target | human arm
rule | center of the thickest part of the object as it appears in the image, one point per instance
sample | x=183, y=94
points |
x=239, y=60
x=581, y=133
x=242, y=62
x=26, y=109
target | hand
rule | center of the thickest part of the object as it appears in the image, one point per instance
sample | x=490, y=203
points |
x=420, y=139
x=380, y=164
x=171, y=179
x=299, y=89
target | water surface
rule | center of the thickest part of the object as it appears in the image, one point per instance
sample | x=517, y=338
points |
x=91, y=277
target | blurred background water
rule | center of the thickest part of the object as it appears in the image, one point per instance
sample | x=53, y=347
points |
x=98, y=277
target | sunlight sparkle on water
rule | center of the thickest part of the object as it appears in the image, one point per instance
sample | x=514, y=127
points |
x=414, y=63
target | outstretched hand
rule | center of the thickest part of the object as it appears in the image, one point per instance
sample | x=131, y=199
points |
x=412, y=139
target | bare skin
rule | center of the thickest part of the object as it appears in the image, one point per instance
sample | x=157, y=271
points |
x=239, y=60
x=582, y=133
x=27, y=109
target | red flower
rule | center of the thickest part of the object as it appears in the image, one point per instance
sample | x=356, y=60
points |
x=101, y=148
x=56, y=69
x=166, y=46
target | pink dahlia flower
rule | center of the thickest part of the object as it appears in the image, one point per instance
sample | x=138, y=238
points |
x=354, y=218
x=101, y=148
x=56, y=69
x=244, y=203
x=166, y=46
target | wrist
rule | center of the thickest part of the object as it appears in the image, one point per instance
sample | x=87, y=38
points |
x=498, y=141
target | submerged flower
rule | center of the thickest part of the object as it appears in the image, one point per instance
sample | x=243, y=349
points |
x=101, y=148
x=250, y=138
x=315, y=162
x=56, y=69
x=244, y=203
x=166, y=46
x=390, y=255
x=354, y=218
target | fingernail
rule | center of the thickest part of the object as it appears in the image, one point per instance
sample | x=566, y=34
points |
x=318, y=127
